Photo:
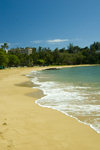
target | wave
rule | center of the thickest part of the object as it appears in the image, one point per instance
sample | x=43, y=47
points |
x=68, y=99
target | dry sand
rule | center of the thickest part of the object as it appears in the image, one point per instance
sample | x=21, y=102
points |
x=26, y=126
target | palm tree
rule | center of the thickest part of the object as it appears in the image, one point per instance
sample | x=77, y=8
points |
x=4, y=46
x=70, y=48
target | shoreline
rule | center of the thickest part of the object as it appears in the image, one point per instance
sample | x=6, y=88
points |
x=25, y=125
x=88, y=124
x=66, y=114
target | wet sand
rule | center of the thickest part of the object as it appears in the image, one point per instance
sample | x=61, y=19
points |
x=26, y=126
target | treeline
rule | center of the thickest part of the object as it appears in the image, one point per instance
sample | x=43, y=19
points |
x=45, y=56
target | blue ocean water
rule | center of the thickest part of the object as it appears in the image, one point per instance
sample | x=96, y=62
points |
x=73, y=91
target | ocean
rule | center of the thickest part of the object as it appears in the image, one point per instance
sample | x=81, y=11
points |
x=73, y=91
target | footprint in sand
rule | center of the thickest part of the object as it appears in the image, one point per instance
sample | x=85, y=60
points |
x=4, y=124
x=8, y=143
x=1, y=135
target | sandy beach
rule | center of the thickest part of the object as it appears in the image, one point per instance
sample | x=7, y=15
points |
x=26, y=126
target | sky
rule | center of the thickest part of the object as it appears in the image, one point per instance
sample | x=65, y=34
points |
x=49, y=23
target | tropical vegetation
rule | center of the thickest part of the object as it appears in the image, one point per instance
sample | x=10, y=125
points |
x=45, y=56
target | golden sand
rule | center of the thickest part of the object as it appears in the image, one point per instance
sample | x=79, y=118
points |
x=26, y=126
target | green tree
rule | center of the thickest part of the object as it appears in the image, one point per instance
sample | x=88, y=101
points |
x=4, y=46
x=29, y=61
x=13, y=61
x=70, y=48
x=56, y=56
x=95, y=46
x=40, y=62
x=3, y=58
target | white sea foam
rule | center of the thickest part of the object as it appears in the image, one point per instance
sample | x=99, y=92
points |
x=68, y=100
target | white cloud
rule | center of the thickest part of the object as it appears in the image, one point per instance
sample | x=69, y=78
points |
x=1, y=44
x=49, y=41
x=36, y=42
x=15, y=44
x=57, y=40
x=9, y=44
x=5, y=42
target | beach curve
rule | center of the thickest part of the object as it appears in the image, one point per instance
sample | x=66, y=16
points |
x=25, y=125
